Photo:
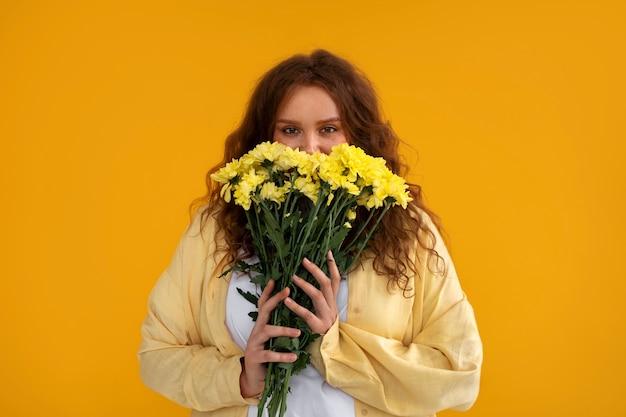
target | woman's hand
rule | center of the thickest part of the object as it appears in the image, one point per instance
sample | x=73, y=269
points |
x=324, y=299
x=252, y=378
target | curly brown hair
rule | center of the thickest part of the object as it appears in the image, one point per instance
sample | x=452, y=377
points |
x=360, y=114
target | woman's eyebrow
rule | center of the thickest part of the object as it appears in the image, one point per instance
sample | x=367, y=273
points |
x=329, y=120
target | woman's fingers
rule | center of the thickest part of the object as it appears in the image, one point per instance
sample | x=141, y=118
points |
x=324, y=299
x=328, y=287
x=335, y=276
x=325, y=314
x=324, y=302
x=307, y=315
x=256, y=355
x=256, y=352
x=268, y=302
x=262, y=331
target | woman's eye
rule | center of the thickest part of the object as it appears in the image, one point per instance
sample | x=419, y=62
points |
x=329, y=129
x=290, y=130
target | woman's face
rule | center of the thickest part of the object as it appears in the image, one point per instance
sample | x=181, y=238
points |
x=309, y=120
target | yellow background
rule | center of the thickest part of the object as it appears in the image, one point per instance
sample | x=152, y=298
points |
x=111, y=112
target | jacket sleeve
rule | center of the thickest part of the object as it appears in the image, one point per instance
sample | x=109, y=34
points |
x=178, y=358
x=436, y=368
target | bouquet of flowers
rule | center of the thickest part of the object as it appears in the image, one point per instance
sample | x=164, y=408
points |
x=298, y=205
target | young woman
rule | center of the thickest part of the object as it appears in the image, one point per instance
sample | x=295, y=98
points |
x=399, y=337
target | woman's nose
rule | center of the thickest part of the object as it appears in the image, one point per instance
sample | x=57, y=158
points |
x=311, y=143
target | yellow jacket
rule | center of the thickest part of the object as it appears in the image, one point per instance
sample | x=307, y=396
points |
x=397, y=355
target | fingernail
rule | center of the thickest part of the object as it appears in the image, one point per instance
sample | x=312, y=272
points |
x=306, y=260
x=288, y=301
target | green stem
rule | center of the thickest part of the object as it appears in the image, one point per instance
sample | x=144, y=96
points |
x=361, y=228
x=254, y=230
x=307, y=229
x=284, y=392
x=367, y=237
x=266, y=389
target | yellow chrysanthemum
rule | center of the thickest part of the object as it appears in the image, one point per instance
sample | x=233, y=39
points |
x=384, y=186
x=290, y=158
x=310, y=164
x=247, y=185
x=331, y=172
x=371, y=201
x=248, y=162
x=254, y=177
x=226, y=192
x=228, y=172
x=308, y=187
x=269, y=191
x=346, y=167
x=396, y=188
x=349, y=186
x=267, y=151
x=242, y=192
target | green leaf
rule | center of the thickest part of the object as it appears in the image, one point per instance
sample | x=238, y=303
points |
x=285, y=344
x=285, y=365
x=253, y=298
x=304, y=358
